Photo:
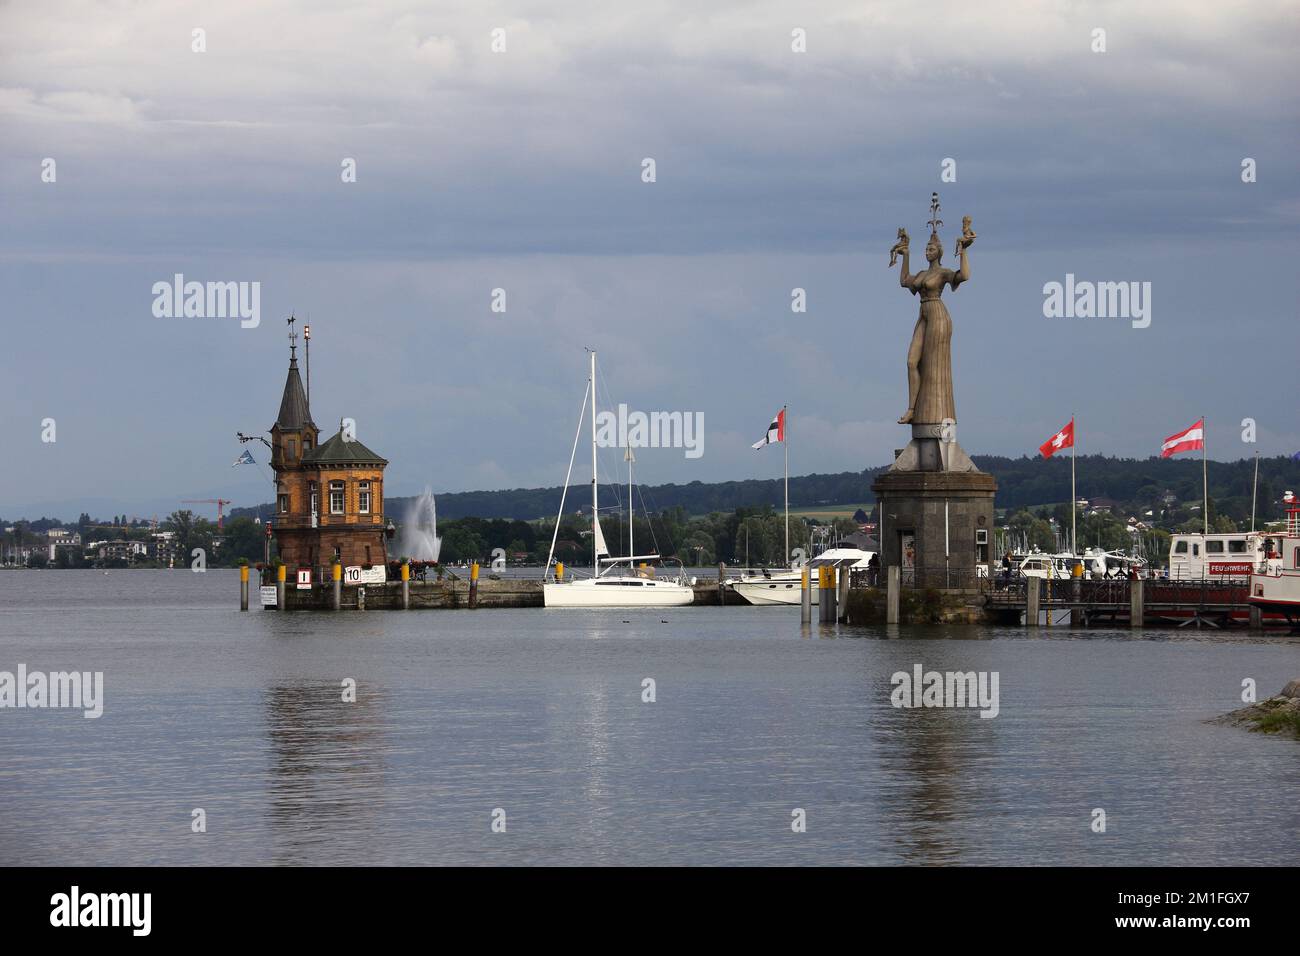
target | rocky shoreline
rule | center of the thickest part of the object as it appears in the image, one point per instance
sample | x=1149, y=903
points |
x=1279, y=714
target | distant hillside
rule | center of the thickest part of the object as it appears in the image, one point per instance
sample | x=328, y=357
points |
x=1022, y=482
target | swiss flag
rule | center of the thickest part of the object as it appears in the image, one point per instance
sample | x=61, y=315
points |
x=1188, y=440
x=1062, y=439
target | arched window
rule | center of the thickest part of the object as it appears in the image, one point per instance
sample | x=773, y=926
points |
x=283, y=499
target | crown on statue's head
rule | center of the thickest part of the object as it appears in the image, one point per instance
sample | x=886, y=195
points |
x=935, y=222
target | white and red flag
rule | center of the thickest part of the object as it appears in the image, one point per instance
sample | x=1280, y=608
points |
x=775, y=431
x=1188, y=440
x=1062, y=439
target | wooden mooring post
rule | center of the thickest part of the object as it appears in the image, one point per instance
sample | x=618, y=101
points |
x=473, y=584
x=1136, y=603
x=805, y=597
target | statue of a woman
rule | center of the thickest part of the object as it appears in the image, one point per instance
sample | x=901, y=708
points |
x=929, y=359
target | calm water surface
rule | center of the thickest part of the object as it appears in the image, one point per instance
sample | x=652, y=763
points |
x=540, y=713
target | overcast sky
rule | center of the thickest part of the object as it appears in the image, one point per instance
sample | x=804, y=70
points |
x=522, y=170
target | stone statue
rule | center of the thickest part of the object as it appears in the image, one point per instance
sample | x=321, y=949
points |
x=929, y=359
x=935, y=506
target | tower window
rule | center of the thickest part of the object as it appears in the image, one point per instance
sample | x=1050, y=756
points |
x=311, y=488
x=363, y=498
x=293, y=448
x=336, y=497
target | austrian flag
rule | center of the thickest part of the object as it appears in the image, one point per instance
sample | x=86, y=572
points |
x=775, y=431
x=1188, y=440
x=1062, y=439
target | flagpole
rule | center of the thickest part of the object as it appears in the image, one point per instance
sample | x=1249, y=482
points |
x=1074, y=496
x=1205, y=477
x=1254, y=492
x=785, y=448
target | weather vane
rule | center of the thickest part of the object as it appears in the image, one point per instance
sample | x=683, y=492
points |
x=293, y=336
x=935, y=222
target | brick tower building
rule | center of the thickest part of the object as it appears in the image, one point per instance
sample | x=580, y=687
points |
x=329, y=496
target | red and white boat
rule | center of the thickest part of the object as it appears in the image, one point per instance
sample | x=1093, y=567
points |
x=1275, y=585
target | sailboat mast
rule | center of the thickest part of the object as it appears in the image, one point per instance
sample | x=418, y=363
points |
x=631, y=516
x=595, y=519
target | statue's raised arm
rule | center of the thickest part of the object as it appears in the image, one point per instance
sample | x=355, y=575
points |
x=963, y=242
x=900, y=248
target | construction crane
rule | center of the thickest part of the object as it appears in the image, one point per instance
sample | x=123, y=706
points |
x=219, y=502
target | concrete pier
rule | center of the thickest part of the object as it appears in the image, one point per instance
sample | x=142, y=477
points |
x=894, y=590
x=842, y=596
x=1033, y=593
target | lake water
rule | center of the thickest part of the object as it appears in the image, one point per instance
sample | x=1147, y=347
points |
x=540, y=713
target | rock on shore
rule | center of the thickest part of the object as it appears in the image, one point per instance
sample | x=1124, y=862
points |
x=1279, y=714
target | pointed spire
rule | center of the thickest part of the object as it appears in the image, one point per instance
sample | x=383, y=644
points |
x=294, y=413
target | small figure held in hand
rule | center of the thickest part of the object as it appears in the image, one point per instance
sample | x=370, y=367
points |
x=900, y=246
x=967, y=236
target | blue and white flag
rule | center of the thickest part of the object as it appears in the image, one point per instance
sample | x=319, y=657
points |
x=245, y=459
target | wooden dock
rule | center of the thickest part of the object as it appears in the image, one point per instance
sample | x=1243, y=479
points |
x=1128, y=603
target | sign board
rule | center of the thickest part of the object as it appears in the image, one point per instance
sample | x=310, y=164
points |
x=304, y=579
x=268, y=595
x=1230, y=567
x=377, y=574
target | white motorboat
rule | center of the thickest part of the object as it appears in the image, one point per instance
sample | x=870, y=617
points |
x=611, y=584
x=772, y=587
x=785, y=586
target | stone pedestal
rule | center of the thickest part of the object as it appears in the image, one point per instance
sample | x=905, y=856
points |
x=945, y=517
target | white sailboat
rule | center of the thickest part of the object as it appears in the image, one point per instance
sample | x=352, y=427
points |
x=610, y=585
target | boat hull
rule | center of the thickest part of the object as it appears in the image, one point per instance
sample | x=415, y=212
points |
x=604, y=592
x=779, y=589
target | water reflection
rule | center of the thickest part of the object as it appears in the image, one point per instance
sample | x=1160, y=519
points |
x=326, y=769
x=926, y=753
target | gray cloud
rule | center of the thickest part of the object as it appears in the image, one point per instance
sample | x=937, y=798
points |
x=521, y=171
